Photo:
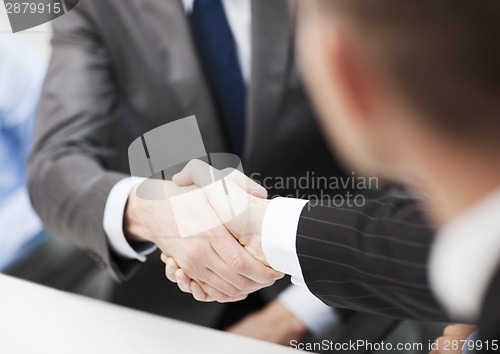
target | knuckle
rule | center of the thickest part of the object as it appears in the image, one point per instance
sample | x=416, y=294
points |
x=222, y=299
x=196, y=165
x=215, y=295
x=194, y=254
x=181, y=287
x=238, y=298
x=266, y=282
x=192, y=163
x=199, y=294
x=237, y=264
x=167, y=274
x=190, y=270
x=266, y=285
x=234, y=292
x=244, y=284
x=181, y=276
x=169, y=269
x=271, y=283
x=205, y=290
x=200, y=297
x=170, y=274
x=273, y=275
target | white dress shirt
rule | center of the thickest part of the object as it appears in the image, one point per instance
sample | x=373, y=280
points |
x=316, y=315
x=464, y=258
x=279, y=232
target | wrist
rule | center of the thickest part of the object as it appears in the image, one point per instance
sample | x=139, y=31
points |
x=257, y=211
x=134, y=229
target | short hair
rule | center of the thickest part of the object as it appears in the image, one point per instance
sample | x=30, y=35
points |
x=443, y=55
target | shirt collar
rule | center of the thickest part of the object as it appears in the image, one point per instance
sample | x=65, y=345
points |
x=188, y=5
x=465, y=257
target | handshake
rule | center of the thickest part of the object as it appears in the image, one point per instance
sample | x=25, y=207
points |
x=208, y=229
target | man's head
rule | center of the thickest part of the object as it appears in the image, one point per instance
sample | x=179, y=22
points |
x=387, y=76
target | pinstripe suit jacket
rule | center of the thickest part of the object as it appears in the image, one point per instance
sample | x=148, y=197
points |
x=374, y=259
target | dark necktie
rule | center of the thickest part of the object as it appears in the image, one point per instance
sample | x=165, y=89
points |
x=217, y=50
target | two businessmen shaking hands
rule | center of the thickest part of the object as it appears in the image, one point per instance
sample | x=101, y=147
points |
x=437, y=134
x=407, y=92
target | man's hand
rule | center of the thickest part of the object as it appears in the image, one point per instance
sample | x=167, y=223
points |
x=450, y=343
x=218, y=264
x=246, y=226
x=275, y=324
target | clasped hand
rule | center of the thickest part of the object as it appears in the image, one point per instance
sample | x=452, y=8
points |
x=209, y=231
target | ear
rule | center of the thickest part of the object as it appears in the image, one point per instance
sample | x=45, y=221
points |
x=360, y=120
x=353, y=75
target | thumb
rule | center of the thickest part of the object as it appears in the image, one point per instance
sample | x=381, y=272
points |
x=196, y=172
x=202, y=174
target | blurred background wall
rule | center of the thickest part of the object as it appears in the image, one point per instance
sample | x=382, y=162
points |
x=37, y=37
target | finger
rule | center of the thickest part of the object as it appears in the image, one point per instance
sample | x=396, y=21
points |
x=183, y=278
x=202, y=174
x=231, y=263
x=170, y=269
x=205, y=292
x=202, y=264
x=195, y=172
x=183, y=282
x=218, y=296
x=199, y=294
x=223, y=278
x=216, y=281
x=194, y=288
x=245, y=182
x=225, y=196
x=243, y=263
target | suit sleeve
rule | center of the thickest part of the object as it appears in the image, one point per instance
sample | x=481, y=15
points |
x=370, y=258
x=68, y=175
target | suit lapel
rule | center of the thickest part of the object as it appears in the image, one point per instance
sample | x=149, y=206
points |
x=168, y=26
x=271, y=58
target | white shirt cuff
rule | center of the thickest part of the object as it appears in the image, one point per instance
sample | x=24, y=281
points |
x=113, y=221
x=311, y=311
x=279, y=232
